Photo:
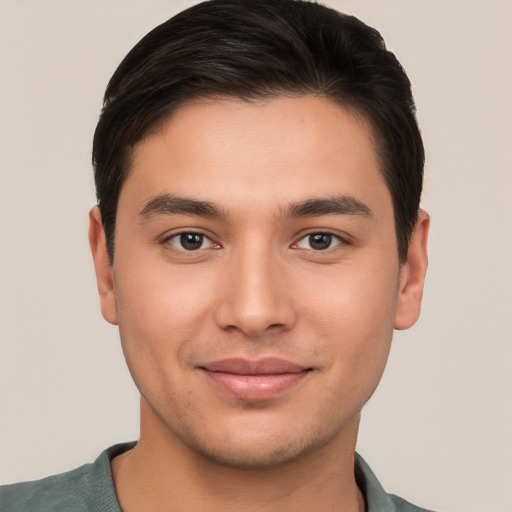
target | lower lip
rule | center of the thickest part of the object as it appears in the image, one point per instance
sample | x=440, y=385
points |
x=256, y=387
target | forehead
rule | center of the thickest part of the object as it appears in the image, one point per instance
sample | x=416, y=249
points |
x=271, y=151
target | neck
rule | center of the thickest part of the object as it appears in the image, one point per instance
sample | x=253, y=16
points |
x=162, y=473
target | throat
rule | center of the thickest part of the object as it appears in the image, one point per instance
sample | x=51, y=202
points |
x=152, y=478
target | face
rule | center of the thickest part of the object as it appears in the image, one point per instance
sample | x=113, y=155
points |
x=256, y=280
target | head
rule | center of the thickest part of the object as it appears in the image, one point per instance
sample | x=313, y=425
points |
x=258, y=168
x=255, y=50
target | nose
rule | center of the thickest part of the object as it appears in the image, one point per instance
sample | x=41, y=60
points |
x=256, y=296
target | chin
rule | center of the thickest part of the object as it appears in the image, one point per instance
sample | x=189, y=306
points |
x=260, y=450
x=255, y=457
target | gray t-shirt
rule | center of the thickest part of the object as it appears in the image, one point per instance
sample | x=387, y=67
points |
x=90, y=488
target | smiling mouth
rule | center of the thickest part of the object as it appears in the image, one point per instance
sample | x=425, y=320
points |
x=255, y=380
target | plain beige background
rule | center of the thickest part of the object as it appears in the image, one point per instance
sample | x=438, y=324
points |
x=439, y=429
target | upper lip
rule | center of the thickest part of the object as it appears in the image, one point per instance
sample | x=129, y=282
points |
x=266, y=366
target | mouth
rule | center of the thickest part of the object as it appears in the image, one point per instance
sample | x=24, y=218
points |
x=255, y=380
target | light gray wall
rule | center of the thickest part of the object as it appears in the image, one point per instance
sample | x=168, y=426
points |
x=439, y=429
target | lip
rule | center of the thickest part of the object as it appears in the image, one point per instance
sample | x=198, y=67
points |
x=255, y=380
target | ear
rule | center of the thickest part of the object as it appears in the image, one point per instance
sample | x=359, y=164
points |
x=102, y=266
x=412, y=275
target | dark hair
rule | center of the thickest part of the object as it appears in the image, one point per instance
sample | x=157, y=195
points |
x=252, y=49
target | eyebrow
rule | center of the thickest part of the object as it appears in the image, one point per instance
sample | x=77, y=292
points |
x=166, y=204
x=336, y=205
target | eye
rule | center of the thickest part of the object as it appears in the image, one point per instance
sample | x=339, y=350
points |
x=319, y=241
x=190, y=241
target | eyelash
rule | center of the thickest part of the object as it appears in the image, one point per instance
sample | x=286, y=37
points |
x=202, y=238
x=180, y=240
x=332, y=237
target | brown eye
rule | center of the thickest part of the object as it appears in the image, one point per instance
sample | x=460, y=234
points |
x=190, y=241
x=319, y=241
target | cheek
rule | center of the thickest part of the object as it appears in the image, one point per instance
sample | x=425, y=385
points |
x=155, y=295
x=159, y=313
x=359, y=298
x=351, y=315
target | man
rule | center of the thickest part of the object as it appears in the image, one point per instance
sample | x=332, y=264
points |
x=257, y=239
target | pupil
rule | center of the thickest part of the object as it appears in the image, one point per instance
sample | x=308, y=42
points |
x=191, y=241
x=320, y=241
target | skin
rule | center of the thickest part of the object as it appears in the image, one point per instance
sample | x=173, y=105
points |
x=257, y=287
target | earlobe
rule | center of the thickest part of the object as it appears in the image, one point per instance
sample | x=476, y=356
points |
x=102, y=266
x=412, y=275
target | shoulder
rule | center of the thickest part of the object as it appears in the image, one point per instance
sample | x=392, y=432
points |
x=88, y=488
x=377, y=499
x=402, y=505
x=67, y=491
